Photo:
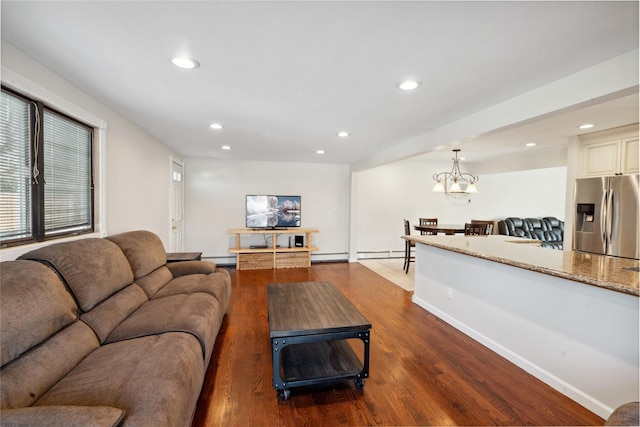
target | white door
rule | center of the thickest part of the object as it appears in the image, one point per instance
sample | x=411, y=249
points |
x=177, y=218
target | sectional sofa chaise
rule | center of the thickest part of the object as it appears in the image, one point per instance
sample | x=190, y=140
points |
x=103, y=332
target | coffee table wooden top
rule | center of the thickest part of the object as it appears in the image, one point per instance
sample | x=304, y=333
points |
x=309, y=308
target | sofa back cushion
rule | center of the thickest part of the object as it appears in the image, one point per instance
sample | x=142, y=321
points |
x=94, y=269
x=41, y=339
x=514, y=227
x=29, y=377
x=34, y=306
x=107, y=315
x=143, y=249
x=537, y=228
x=555, y=228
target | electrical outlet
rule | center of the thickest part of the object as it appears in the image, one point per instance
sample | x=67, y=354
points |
x=449, y=293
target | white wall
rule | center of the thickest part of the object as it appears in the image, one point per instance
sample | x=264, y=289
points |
x=136, y=175
x=215, y=193
x=387, y=194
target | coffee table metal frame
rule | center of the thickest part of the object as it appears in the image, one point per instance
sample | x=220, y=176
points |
x=349, y=367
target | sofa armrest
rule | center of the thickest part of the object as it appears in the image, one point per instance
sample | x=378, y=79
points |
x=63, y=416
x=183, y=268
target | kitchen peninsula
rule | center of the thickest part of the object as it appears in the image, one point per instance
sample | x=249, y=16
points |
x=568, y=318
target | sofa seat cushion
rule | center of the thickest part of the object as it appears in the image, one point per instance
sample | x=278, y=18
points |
x=217, y=284
x=34, y=305
x=94, y=269
x=63, y=416
x=156, y=380
x=197, y=314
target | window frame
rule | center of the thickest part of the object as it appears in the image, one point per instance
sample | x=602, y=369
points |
x=39, y=234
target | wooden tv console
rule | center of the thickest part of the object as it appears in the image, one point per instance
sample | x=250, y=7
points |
x=273, y=256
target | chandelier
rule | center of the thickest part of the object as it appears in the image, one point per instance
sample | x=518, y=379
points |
x=455, y=181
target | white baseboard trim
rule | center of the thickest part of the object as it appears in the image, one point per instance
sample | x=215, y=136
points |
x=553, y=381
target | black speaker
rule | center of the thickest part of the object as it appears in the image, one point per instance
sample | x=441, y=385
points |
x=299, y=241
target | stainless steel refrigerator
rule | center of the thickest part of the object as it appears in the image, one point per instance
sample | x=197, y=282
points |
x=606, y=220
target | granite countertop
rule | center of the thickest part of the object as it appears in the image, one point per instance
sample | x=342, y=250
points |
x=617, y=274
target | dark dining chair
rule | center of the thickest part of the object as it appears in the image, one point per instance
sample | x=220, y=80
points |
x=408, y=244
x=475, y=229
x=428, y=221
x=483, y=221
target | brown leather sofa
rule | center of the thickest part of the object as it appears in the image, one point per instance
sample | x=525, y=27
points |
x=103, y=332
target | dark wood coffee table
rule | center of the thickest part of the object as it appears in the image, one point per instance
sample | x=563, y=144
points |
x=309, y=325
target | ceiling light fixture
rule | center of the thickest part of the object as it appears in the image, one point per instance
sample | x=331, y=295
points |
x=226, y=147
x=455, y=182
x=409, y=85
x=586, y=126
x=343, y=134
x=319, y=151
x=216, y=126
x=184, y=62
x=530, y=144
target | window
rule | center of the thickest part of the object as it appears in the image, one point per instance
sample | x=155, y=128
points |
x=46, y=186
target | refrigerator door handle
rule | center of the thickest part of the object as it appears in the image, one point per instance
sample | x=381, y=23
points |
x=610, y=217
x=604, y=217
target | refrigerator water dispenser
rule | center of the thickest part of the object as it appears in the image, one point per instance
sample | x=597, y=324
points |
x=584, y=216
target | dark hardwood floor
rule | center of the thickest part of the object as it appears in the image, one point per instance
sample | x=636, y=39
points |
x=422, y=371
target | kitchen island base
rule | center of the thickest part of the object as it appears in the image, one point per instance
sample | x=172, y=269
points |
x=580, y=339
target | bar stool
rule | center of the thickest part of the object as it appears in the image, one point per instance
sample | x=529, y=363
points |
x=408, y=244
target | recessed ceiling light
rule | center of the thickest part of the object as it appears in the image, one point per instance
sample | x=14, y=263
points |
x=319, y=151
x=408, y=85
x=586, y=126
x=216, y=126
x=183, y=62
x=530, y=144
x=343, y=134
x=226, y=147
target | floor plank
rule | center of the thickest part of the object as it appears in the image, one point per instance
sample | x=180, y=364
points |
x=422, y=371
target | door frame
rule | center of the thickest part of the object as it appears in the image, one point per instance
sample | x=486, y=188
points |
x=172, y=243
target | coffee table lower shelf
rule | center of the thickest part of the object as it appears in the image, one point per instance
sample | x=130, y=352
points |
x=298, y=362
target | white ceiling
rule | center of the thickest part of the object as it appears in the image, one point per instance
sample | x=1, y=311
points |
x=284, y=77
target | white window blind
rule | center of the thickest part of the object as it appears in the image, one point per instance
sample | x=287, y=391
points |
x=15, y=168
x=67, y=175
x=46, y=186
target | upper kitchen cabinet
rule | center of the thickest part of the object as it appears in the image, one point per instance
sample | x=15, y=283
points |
x=610, y=152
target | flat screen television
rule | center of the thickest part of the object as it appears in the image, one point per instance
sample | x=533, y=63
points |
x=270, y=211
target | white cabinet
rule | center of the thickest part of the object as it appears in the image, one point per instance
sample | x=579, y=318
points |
x=630, y=155
x=612, y=152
